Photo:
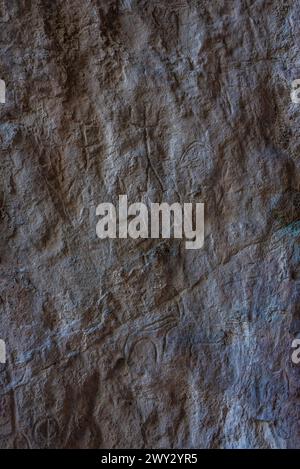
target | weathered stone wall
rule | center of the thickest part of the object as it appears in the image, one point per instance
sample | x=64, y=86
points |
x=142, y=343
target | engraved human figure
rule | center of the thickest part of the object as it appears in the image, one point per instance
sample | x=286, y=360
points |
x=295, y=92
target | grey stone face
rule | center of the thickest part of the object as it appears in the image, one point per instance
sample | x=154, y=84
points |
x=141, y=343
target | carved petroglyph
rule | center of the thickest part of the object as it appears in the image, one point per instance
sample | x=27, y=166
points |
x=21, y=441
x=195, y=165
x=6, y=423
x=46, y=432
x=2, y=351
x=142, y=343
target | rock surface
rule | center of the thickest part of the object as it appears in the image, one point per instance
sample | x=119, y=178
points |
x=141, y=343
